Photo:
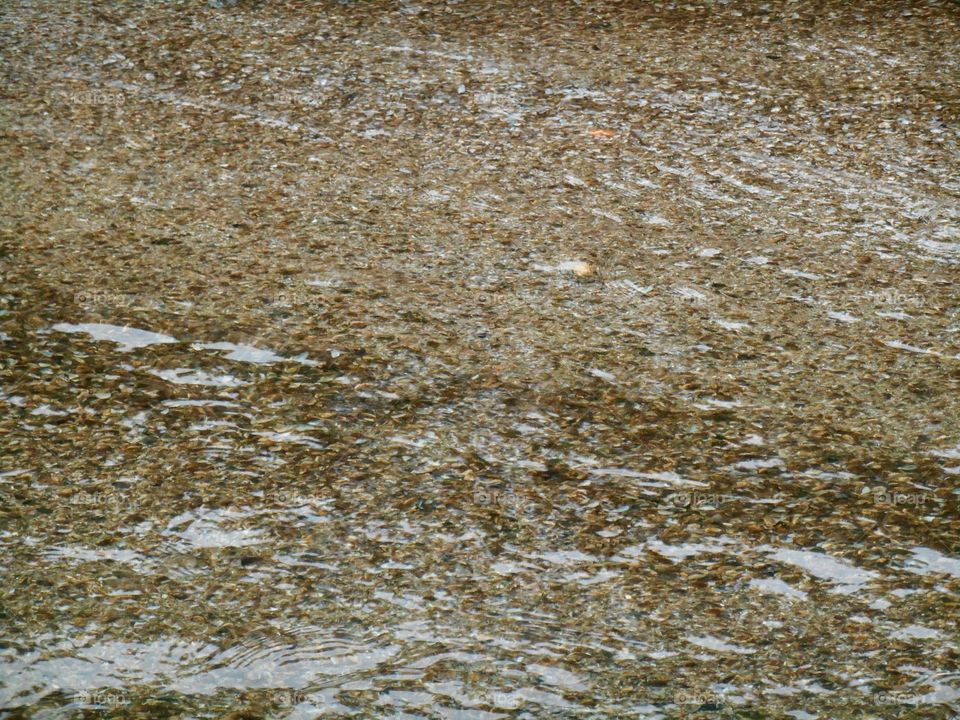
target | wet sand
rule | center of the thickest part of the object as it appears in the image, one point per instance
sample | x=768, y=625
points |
x=475, y=360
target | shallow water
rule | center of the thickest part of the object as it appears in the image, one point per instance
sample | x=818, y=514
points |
x=469, y=361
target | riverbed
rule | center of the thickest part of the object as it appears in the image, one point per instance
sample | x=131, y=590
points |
x=477, y=360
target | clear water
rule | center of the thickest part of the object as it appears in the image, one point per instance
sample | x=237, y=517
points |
x=475, y=361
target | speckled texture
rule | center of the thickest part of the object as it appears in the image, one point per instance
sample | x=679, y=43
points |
x=475, y=360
